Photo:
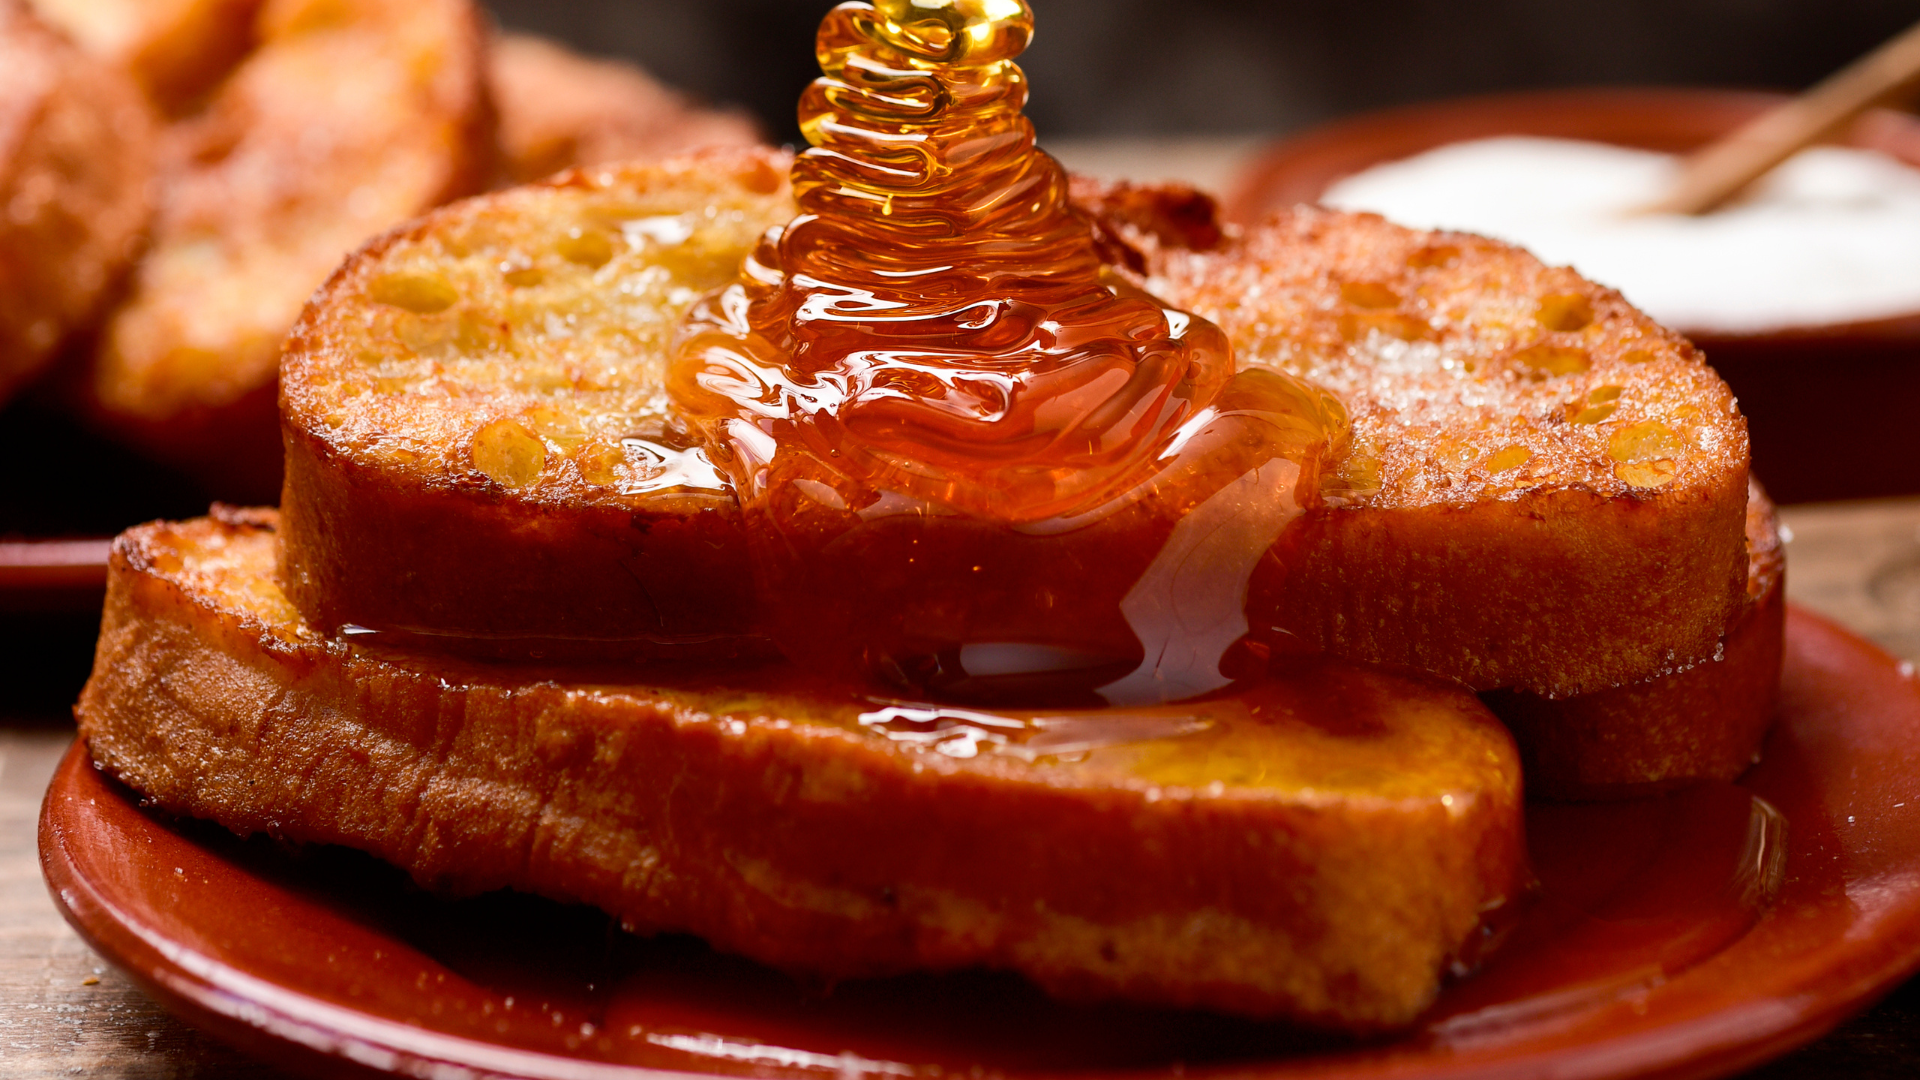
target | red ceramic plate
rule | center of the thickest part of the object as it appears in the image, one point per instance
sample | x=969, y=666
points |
x=1648, y=954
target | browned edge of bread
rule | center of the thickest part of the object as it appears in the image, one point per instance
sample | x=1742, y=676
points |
x=1705, y=723
x=1271, y=864
x=471, y=573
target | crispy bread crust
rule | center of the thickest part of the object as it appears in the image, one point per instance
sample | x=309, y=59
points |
x=1706, y=723
x=776, y=827
x=494, y=577
x=76, y=154
x=288, y=167
x=1546, y=490
x=559, y=109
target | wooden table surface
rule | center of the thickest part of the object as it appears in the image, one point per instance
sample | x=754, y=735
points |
x=65, y=1012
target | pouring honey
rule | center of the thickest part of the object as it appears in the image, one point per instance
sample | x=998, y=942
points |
x=984, y=468
x=973, y=461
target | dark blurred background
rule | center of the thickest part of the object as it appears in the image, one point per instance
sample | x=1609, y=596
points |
x=1158, y=67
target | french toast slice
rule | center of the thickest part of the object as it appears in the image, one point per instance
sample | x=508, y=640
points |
x=1317, y=852
x=177, y=50
x=1705, y=723
x=558, y=109
x=477, y=449
x=291, y=164
x=478, y=442
x=76, y=154
x=1545, y=489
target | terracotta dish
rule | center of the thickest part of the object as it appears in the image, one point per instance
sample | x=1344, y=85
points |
x=1632, y=963
x=1828, y=404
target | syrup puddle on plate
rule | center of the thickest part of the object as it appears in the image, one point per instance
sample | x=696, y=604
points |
x=1631, y=894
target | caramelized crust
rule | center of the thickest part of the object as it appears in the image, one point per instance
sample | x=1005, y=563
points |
x=1705, y=723
x=478, y=442
x=177, y=50
x=76, y=154
x=1319, y=860
x=1545, y=489
x=350, y=115
x=559, y=109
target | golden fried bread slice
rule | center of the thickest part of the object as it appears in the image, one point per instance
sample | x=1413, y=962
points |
x=177, y=50
x=478, y=442
x=1545, y=490
x=351, y=115
x=1316, y=851
x=76, y=154
x=1705, y=723
x=457, y=422
x=559, y=109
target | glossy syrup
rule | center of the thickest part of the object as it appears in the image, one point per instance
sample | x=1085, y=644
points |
x=973, y=462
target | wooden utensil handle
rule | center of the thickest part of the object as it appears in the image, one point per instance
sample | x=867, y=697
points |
x=1720, y=171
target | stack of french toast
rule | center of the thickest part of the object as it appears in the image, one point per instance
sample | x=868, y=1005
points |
x=503, y=632
x=180, y=175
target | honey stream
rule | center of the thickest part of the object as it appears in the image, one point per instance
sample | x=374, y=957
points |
x=981, y=468
x=972, y=461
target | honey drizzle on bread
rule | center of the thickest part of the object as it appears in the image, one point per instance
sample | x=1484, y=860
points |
x=933, y=323
x=1338, y=833
x=969, y=462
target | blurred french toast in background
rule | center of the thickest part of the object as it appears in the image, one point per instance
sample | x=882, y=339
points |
x=558, y=109
x=289, y=166
x=176, y=50
x=76, y=153
x=287, y=133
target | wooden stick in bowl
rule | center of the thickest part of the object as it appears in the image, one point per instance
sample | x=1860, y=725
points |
x=1717, y=173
